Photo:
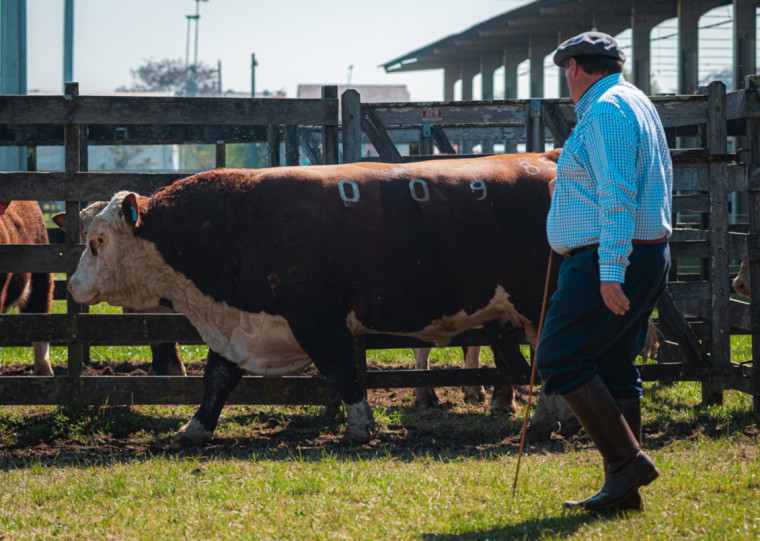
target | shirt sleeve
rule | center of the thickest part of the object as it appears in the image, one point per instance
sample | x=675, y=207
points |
x=612, y=153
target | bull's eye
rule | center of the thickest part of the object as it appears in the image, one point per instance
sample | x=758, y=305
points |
x=98, y=242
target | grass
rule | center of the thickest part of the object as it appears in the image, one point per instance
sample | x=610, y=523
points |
x=440, y=473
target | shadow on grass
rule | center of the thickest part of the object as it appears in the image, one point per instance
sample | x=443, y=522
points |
x=564, y=525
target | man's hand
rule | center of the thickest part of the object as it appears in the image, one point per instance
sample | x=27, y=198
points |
x=614, y=298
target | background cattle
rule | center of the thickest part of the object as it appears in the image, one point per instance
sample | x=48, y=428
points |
x=741, y=283
x=165, y=358
x=22, y=222
x=314, y=255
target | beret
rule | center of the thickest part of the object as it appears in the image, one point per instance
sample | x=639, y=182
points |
x=588, y=43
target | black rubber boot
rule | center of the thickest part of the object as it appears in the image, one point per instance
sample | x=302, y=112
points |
x=631, y=410
x=626, y=467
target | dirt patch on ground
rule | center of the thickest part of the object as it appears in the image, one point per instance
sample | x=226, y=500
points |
x=452, y=429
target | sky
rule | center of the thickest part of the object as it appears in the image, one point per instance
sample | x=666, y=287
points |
x=295, y=41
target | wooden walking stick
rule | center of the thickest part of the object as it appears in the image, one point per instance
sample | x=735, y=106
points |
x=544, y=304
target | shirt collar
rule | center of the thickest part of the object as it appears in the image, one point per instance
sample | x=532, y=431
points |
x=596, y=90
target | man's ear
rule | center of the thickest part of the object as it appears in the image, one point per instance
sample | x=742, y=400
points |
x=130, y=209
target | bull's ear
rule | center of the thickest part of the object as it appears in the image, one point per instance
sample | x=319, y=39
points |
x=59, y=220
x=130, y=209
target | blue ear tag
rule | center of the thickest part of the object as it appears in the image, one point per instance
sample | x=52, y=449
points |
x=134, y=214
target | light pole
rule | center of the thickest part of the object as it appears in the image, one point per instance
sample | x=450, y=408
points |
x=192, y=89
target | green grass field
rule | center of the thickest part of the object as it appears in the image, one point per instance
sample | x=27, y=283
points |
x=440, y=473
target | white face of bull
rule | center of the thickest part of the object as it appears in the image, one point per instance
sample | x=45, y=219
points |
x=115, y=265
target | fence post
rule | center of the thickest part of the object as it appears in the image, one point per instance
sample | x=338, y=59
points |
x=221, y=154
x=751, y=87
x=292, y=156
x=273, y=140
x=330, y=149
x=534, y=126
x=720, y=333
x=352, y=131
x=72, y=164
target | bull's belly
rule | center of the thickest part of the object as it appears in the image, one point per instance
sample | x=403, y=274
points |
x=441, y=330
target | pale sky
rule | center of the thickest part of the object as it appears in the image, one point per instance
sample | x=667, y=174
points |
x=295, y=41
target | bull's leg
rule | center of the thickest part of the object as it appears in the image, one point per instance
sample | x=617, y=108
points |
x=166, y=359
x=473, y=393
x=219, y=379
x=329, y=343
x=423, y=396
x=40, y=302
x=503, y=400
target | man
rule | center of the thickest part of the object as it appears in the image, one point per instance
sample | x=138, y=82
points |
x=610, y=218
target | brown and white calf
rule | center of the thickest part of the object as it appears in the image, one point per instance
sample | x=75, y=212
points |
x=283, y=266
x=22, y=222
x=165, y=358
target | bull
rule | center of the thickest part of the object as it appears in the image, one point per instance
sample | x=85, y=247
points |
x=280, y=267
x=22, y=222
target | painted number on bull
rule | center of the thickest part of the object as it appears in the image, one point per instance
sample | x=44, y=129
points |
x=419, y=190
x=478, y=186
x=349, y=200
x=548, y=162
x=530, y=168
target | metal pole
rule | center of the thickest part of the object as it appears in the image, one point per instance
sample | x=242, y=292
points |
x=187, y=55
x=195, y=59
x=12, y=69
x=253, y=75
x=68, y=42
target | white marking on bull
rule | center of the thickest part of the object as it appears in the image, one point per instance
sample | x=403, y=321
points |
x=360, y=422
x=550, y=164
x=443, y=329
x=479, y=186
x=530, y=168
x=348, y=201
x=260, y=343
x=413, y=190
x=194, y=433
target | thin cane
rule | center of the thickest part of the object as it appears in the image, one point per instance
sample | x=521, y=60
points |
x=533, y=368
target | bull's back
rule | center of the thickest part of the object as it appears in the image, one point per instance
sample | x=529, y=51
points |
x=389, y=242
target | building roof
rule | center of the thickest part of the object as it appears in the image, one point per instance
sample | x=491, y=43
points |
x=367, y=93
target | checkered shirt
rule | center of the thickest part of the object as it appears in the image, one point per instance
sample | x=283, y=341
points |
x=614, y=177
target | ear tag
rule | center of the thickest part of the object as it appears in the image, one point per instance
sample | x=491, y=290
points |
x=134, y=214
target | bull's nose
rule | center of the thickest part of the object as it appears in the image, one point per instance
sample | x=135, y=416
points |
x=68, y=288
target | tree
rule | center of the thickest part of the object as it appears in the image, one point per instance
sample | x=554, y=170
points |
x=169, y=75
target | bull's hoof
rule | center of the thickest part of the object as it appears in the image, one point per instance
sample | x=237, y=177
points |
x=43, y=371
x=193, y=434
x=176, y=370
x=474, y=394
x=540, y=431
x=503, y=401
x=361, y=422
x=569, y=427
x=425, y=397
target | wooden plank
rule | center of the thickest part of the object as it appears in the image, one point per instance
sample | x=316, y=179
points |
x=352, y=128
x=330, y=143
x=560, y=127
x=39, y=258
x=292, y=146
x=273, y=145
x=691, y=204
x=673, y=319
x=125, y=390
x=98, y=329
x=310, y=147
x=93, y=110
x=133, y=134
x=504, y=112
x=441, y=140
x=684, y=291
x=375, y=130
x=79, y=186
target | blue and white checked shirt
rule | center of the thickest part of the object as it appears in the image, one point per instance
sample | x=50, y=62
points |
x=614, y=177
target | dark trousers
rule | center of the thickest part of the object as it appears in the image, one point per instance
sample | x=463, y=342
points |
x=582, y=337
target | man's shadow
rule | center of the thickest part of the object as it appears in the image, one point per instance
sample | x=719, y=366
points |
x=564, y=524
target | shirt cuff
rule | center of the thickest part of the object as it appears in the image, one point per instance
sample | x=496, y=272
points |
x=611, y=272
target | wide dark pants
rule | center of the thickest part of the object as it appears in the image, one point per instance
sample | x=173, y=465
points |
x=582, y=337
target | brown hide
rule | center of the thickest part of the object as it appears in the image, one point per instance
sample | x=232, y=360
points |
x=398, y=245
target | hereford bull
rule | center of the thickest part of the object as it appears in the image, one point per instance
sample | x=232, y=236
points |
x=277, y=267
x=22, y=222
x=165, y=359
x=741, y=283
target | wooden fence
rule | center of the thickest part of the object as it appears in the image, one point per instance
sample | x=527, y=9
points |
x=697, y=316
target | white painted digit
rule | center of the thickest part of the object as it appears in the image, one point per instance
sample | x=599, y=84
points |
x=425, y=192
x=479, y=186
x=547, y=161
x=530, y=168
x=354, y=198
